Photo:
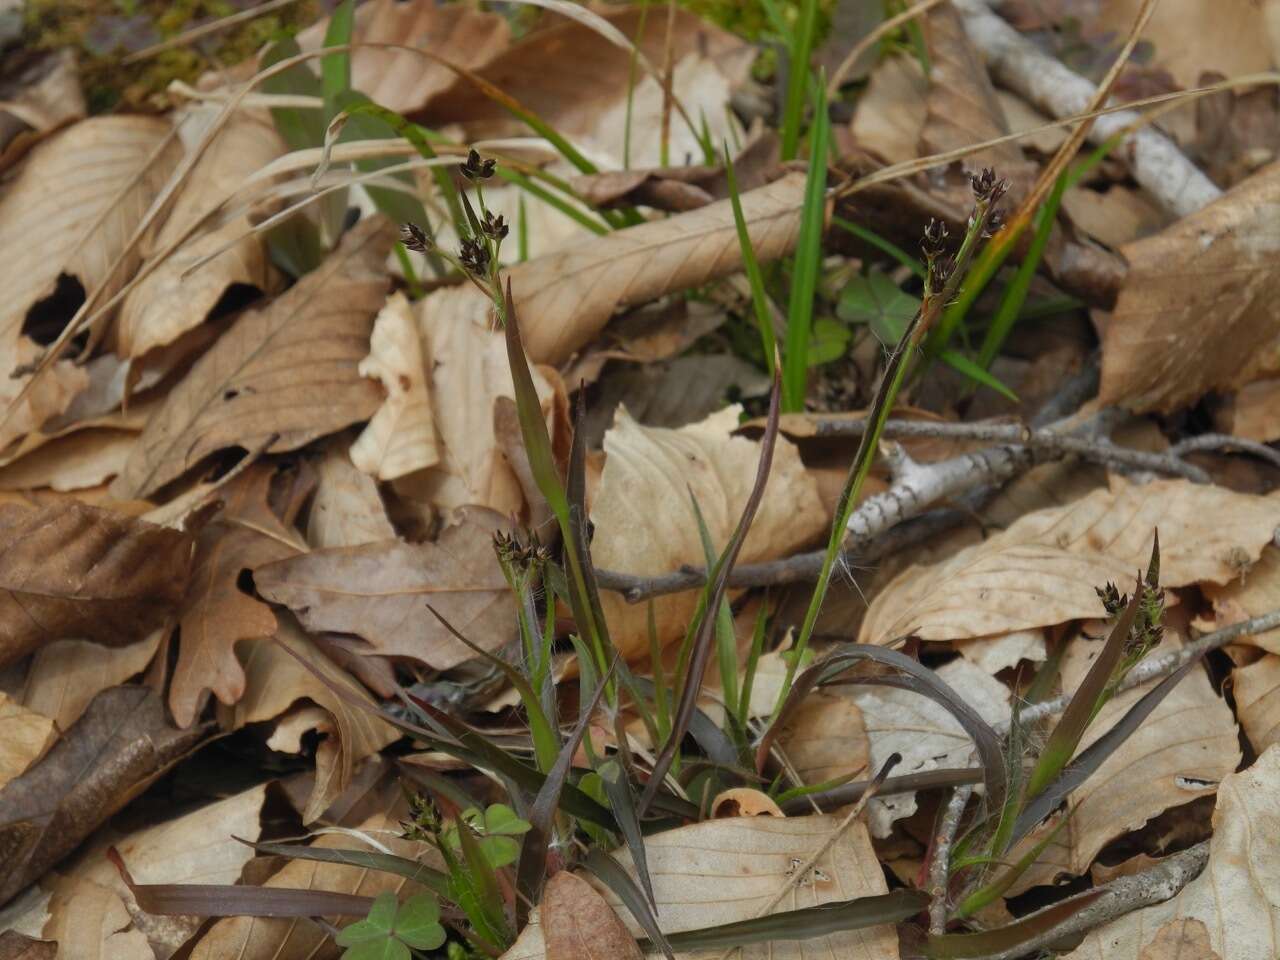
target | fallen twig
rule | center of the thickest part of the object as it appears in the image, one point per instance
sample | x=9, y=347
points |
x=940, y=865
x=1156, y=162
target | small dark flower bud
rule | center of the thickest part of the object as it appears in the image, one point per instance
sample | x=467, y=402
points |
x=935, y=235
x=476, y=168
x=415, y=238
x=1113, y=601
x=494, y=227
x=474, y=256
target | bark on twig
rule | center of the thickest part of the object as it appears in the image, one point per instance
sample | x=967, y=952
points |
x=940, y=865
x=1156, y=162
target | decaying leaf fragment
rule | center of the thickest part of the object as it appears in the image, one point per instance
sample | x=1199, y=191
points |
x=71, y=570
x=283, y=375
x=644, y=518
x=580, y=924
x=120, y=745
x=1196, y=312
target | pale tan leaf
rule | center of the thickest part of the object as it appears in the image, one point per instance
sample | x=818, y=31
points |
x=216, y=614
x=891, y=111
x=924, y=733
x=24, y=737
x=565, y=298
x=86, y=458
x=825, y=739
x=199, y=847
x=1115, y=217
x=721, y=871
x=399, y=79
x=644, y=519
x=1253, y=412
x=91, y=922
x=744, y=802
x=380, y=591
x=1186, y=939
x=401, y=437
x=1257, y=693
x=346, y=510
x=259, y=938
x=467, y=358
x=168, y=302
x=1255, y=592
x=1158, y=353
x=275, y=680
x=1182, y=751
x=283, y=375
x=73, y=570
x=1236, y=897
x=1043, y=569
x=997, y=653
x=580, y=925
x=42, y=97
x=66, y=675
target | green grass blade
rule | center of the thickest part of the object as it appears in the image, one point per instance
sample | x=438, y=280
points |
x=434, y=880
x=807, y=263
x=335, y=68
x=800, y=49
x=759, y=298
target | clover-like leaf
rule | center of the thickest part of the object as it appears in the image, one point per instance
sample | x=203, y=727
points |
x=418, y=923
x=502, y=820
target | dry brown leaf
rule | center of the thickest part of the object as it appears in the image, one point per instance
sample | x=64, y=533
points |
x=962, y=108
x=469, y=374
x=167, y=303
x=1255, y=592
x=63, y=221
x=825, y=739
x=283, y=375
x=216, y=613
x=399, y=79
x=565, y=298
x=120, y=745
x=644, y=519
x=94, y=924
x=85, y=458
x=1253, y=412
x=1000, y=652
x=1236, y=897
x=1182, y=751
x=721, y=871
x=259, y=938
x=1257, y=693
x=1043, y=569
x=744, y=802
x=275, y=680
x=580, y=925
x=24, y=737
x=44, y=95
x=401, y=437
x=891, y=111
x=380, y=591
x=1180, y=940
x=17, y=946
x=66, y=675
x=926, y=735
x=346, y=510
x=1158, y=353
x=1116, y=216
x=199, y=847
x=73, y=570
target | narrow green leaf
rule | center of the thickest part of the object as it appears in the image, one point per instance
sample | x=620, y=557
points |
x=429, y=877
x=801, y=48
x=963, y=946
x=759, y=298
x=335, y=68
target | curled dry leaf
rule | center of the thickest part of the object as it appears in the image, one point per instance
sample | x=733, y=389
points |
x=24, y=737
x=381, y=591
x=1158, y=353
x=1043, y=569
x=645, y=523
x=580, y=925
x=121, y=744
x=1255, y=592
x=283, y=375
x=168, y=302
x=69, y=569
x=721, y=871
x=260, y=938
x=401, y=437
x=566, y=297
x=1257, y=693
x=199, y=847
x=1183, y=750
x=346, y=510
x=1235, y=897
x=401, y=80
x=77, y=461
x=275, y=680
x=40, y=98
x=64, y=220
x=216, y=613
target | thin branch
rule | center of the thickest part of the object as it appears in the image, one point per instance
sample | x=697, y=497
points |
x=1222, y=441
x=1162, y=882
x=940, y=865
